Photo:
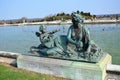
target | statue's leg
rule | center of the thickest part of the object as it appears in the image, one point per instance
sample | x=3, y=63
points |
x=55, y=51
x=71, y=51
x=34, y=49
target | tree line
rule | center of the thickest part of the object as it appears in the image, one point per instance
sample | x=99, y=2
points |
x=64, y=16
x=59, y=16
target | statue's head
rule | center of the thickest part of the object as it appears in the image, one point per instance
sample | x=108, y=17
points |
x=76, y=18
x=42, y=28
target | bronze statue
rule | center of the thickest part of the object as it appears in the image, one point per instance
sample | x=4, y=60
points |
x=79, y=36
x=46, y=39
x=49, y=46
x=76, y=45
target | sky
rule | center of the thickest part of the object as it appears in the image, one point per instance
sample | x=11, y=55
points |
x=15, y=9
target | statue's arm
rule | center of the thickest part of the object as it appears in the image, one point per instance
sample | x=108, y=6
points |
x=88, y=35
x=44, y=38
x=88, y=40
x=54, y=31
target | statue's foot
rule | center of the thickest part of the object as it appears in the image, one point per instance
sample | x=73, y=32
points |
x=34, y=49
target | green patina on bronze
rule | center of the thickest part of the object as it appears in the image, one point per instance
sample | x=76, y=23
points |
x=76, y=45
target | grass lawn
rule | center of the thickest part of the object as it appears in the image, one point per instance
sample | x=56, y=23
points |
x=8, y=72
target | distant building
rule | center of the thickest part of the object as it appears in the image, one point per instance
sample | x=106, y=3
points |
x=108, y=17
x=22, y=20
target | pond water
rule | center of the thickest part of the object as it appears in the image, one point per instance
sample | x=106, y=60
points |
x=20, y=38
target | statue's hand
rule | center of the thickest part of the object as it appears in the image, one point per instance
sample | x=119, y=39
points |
x=88, y=50
x=37, y=34
x=51, y=35
x=79, y=44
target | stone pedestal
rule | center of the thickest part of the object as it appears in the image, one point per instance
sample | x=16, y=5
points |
x=65, y=68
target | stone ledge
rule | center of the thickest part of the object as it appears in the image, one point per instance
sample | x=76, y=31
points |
x=64, y=68
x=9, y=54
